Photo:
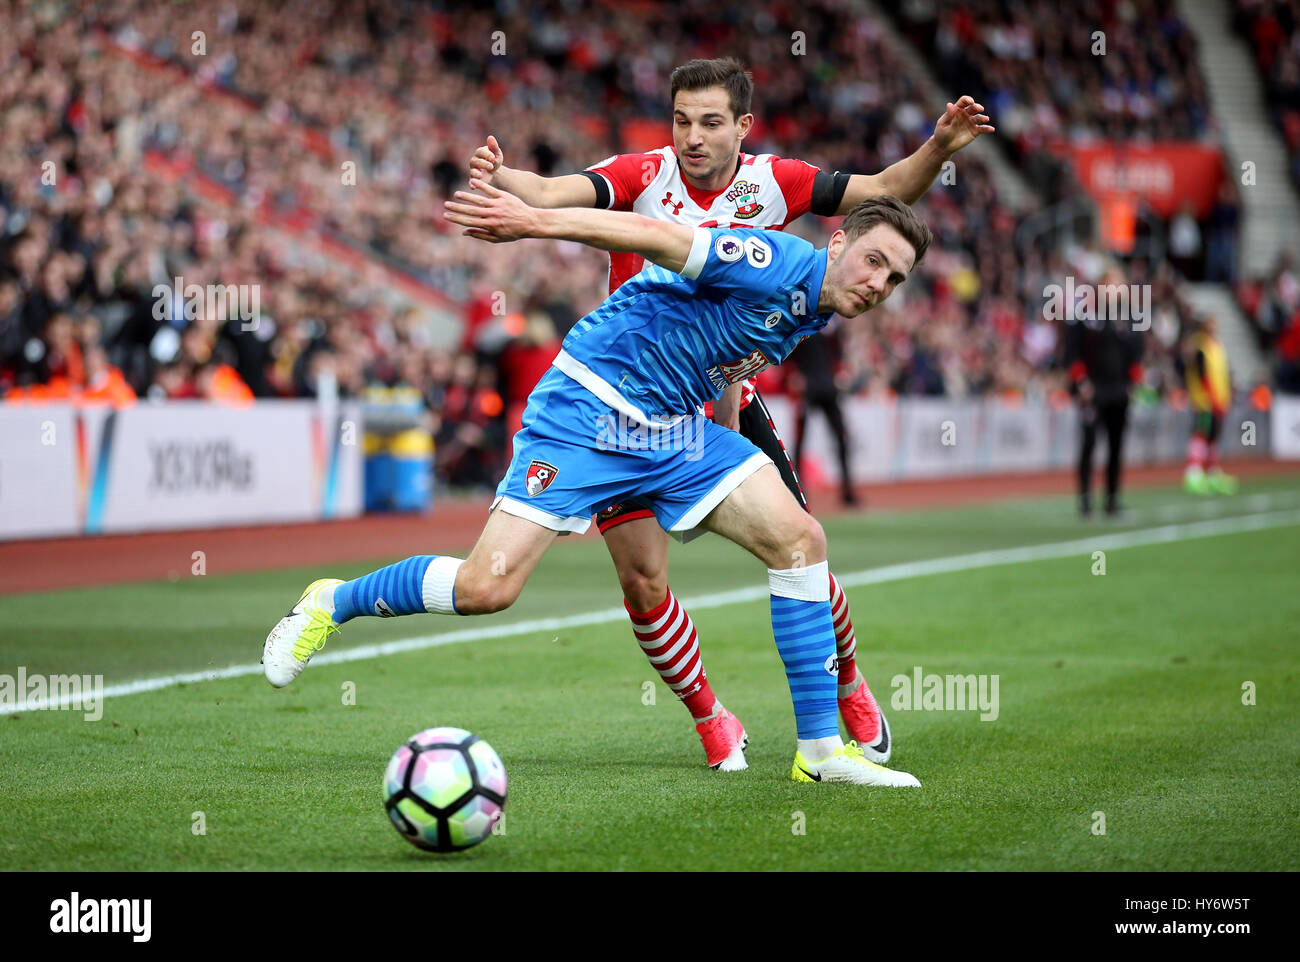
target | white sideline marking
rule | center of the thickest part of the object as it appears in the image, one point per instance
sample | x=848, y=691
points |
x=869, y=576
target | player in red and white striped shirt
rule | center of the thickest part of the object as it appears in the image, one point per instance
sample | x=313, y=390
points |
x=705, y=180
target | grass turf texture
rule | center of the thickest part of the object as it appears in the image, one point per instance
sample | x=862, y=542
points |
x=1119, y=694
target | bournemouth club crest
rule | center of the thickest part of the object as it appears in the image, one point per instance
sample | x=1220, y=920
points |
x=539, y=477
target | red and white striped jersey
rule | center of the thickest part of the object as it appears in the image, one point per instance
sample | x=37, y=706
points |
x=765, y=191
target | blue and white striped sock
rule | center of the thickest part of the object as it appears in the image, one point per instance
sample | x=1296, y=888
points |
x=805, y=637
x=419, y=584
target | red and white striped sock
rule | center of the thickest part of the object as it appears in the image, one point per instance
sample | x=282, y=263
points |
x=846, y=645
x=667, y=636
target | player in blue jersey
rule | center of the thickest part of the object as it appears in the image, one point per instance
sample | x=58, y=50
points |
x=705, y=179
x=715, y=306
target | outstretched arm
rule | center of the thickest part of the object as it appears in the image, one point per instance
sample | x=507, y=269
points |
x=496, y=217
x=571, y=190
x=911, y=177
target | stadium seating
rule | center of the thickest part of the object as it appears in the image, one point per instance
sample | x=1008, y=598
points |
x=301, y=151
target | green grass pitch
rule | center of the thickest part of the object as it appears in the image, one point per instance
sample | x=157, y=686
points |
x=1119, y=694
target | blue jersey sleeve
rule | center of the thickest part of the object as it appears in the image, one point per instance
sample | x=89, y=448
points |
x=746, y=263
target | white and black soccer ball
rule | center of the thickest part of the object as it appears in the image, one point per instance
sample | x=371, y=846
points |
x=445, y=789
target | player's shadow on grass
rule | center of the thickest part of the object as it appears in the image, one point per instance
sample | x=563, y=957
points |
x=414, y=856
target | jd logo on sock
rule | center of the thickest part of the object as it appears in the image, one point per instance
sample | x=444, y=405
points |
x=833, y=665
x=382, y=609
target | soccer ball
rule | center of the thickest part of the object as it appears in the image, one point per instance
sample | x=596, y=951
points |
x=444, y=790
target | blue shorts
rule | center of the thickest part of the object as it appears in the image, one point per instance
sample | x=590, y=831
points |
x=576, y=455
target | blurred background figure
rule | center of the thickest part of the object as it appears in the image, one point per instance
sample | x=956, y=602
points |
x=1104, y=359
x=523, y=362
x=104, y=382
x=814, y=386
x=471, y=441
x=1209, y=390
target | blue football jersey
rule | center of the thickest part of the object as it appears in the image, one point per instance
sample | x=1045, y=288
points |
x=663, y=344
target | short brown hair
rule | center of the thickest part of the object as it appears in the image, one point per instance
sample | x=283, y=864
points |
x=888, y=209
x=726, y=72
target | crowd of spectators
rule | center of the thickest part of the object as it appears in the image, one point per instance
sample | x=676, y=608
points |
x=1272, y=28
x=1095, y=70
x=1272, y=303
x=143, y=142
x=1106, y=71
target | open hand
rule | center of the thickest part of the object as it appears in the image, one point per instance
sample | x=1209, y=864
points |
x=961, y=123
x=489, y=214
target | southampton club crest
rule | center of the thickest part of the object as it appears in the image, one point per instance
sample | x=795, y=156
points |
x=539, y=477
x=745, y=196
